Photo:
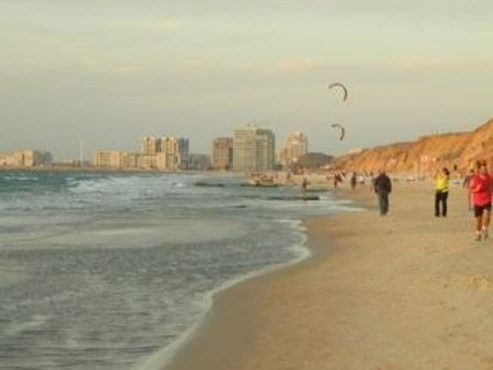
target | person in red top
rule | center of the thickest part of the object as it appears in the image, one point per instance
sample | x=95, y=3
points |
x=481, y=185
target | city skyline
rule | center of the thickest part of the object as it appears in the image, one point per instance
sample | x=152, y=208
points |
x=250, y=149
x=121, y=70
x=140, y=147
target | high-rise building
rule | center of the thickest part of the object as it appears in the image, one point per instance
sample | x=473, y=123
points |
x=222, y=153
x=149, y=145
x=169, y=153
x=108, y=159
x=9, y=160
x=296, y=146
x=166, y=153
x=149, y=162
x=116, y=159
x=25, y=158
x=131, y=160
x=253, y=150
x=184, y=151
x=199, y=162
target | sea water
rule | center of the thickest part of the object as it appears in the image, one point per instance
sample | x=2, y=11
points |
x=103, y=271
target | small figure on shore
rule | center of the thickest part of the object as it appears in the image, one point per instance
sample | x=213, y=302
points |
x=481, y=186
x=467, y=178
x=288, y=179
x=466, y=185
x=353, y=181
x=383, y=187
x=372, y=181
x=441, y=194
x=304, y=186
x=337, y=180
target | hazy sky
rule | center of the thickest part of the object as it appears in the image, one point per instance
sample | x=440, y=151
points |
x=111, y=71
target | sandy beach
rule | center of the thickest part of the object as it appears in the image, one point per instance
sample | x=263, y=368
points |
x=406, y=291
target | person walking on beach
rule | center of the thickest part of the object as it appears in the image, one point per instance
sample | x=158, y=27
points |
x=304, y=186
x=441, y=194
x=466, y=185
x=353, y=181
x=467, y=179
x=481, y=186
x=383, y=187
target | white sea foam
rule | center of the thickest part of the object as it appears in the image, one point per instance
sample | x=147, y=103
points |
x=34, y=322
x=159, y=359
x=133, y=261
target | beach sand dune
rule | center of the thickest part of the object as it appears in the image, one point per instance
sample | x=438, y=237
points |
x=406, y=291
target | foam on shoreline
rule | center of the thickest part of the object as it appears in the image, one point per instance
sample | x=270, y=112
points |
x=162, y=358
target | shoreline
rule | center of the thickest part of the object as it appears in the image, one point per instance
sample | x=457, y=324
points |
x=192, y=349
x=167, y=356
x=406, y=291
x=279, y=221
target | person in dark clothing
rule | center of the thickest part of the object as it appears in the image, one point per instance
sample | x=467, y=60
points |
x=337, y=180
x=353, y=181
x=304, y=186
x=466, y=185
x=383, y=187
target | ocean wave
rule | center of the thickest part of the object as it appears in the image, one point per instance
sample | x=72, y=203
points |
x=159, y=359
x=20, y=178
x=135, y=261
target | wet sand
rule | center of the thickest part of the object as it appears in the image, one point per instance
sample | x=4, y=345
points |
x=406, y=291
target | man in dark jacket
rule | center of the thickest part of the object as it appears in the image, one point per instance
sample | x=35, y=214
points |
x=383, y=187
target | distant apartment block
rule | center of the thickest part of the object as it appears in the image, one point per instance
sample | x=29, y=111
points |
x=199, y=162
x=184, y=151
x=166, y=153
x=116, y=159
x=149, y=162
x=295, y=147
x=131, y=160
x=222, y=153
x=253, y=150
x=107, y=159
x=149, y=145
x=25, y=158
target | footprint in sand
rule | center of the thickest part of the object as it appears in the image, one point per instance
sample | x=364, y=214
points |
x=476, y=282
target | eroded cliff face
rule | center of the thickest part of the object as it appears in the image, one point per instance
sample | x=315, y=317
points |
x=455, y=151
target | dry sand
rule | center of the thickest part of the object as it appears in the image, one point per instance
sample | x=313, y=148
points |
x=406, y=291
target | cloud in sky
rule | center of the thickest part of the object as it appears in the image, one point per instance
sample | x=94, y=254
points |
x=204, y=68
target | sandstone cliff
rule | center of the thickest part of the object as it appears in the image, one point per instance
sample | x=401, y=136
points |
x=454, y=150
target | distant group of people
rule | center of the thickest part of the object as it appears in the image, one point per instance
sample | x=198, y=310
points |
x=478, y=182
x=355, y=179
x=338, y=178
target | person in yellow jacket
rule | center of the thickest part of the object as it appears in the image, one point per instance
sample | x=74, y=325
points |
x=441, y=194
